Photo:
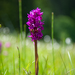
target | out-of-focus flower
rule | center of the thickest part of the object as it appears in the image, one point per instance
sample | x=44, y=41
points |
x=35, y=24
x=7, y=44
x=0, y=46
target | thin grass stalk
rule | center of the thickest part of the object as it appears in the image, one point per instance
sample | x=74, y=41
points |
x=24, y=53
x=63, y=63
x=20, y=19
x=14, y=63
x=69, y=71
x=20, y=16
x=5, y=72
x=2, y=63
x=71, y=62
x=25, y=34
x=25, y=30
x=19, y=59
x=1, y=56
x=7, y=65
x=36, y=58
x=64, y=49
x=52, y=43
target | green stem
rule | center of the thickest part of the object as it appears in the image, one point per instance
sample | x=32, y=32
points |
x=63, y=63
x=14, y=63
x=36, y=58
x=20, y=16
x=2, y=63
x=24, y=51
x=52, y=43
x=71, y=62
x=19, y=59
x=25, y=33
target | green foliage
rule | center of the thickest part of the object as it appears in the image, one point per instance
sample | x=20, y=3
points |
x=27, y=65
x=64, y=27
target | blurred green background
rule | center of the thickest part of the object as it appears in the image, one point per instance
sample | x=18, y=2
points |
x=64, y=16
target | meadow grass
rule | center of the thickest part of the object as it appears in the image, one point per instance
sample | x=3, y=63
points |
x=9, y=65
x=52, y=43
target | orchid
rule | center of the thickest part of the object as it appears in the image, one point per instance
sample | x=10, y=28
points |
x=35, y=24
x=35, y=27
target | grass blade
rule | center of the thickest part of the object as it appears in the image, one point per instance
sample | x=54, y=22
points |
x=14, y=63
x=63, y=63
x=19, y=59
x=52, y=43
x=71, y=62
x=20, y=16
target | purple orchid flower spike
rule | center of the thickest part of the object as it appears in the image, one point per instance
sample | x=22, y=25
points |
x=35, y=27
x=35, y=24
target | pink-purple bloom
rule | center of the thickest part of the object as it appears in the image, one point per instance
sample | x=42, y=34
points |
x=35, y=24
x=0, y=46
x=7, y=44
